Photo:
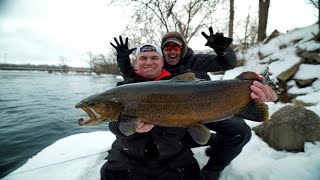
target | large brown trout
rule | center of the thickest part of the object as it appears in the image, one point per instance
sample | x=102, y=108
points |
x=183, y=101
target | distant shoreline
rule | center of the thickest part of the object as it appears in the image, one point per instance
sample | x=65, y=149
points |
x=48, y=68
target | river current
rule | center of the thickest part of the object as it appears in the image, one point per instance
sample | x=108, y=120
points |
x=37, y=109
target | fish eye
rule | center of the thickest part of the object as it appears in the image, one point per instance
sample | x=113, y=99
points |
x=86, y=101
x=90, y=103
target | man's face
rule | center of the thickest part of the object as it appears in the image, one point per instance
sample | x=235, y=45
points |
x=172, y=53
x=149, y=64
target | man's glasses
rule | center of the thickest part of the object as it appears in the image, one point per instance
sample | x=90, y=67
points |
x=170, y=47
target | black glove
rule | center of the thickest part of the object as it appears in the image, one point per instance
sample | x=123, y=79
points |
x=127, y=81
x=122, y=49
x=123, y=58
x=217, y=41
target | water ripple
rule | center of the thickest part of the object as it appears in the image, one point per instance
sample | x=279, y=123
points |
x=37, y=109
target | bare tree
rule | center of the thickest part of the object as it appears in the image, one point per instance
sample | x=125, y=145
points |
x=103, y=64
x=231, y=18
x=251, y=31
x=316, y=4
x=153, y=18
x=247, y=33
x=64, y=67
x=263, y=19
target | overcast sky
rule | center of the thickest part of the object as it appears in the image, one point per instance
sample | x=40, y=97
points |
x=42, y=31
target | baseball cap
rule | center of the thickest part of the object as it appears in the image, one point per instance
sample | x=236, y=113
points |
x=174, y=40
x=148, y=48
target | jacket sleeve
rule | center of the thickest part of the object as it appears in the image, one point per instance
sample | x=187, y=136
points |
x=125, y=67
x=114, y=128
x=213, y=63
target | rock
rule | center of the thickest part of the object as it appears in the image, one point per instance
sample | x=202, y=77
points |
x=289, y=128
x=311, y=57
x=288, y=74
x=302, y=83
x=274, y=34
x=261, y=56
x=302, y=103
x=283, y=46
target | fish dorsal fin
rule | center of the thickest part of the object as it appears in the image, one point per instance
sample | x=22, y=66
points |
x=199, y=133
x=249, y=75
x=253, y=76
x=185, y=77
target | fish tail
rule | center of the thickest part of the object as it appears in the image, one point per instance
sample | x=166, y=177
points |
x=255, y=111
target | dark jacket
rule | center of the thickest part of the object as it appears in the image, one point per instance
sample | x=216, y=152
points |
x=200, y=64
x=159, y=146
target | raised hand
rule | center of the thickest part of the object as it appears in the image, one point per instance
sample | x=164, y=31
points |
x=122, y=48
x=217, y=41
x=123, y=58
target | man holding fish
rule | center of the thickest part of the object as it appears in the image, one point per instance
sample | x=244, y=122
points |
x=150, y=152
x=156, y=144
x=232, y=134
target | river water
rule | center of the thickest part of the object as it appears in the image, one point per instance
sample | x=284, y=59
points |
x=37, y=109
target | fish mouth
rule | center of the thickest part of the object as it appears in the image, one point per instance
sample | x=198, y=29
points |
x=91, y=113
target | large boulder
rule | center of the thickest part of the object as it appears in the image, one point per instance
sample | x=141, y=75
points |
x=289, y=128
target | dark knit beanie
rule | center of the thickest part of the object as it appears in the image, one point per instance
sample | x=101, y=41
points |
x=177, y=38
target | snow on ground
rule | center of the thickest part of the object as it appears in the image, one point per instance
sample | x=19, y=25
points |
x=81, y=156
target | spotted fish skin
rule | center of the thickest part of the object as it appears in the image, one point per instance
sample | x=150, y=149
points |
x=183, y=101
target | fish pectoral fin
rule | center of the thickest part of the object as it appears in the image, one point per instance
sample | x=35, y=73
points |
x=254, y=111
x=199, y=133
x=127, y=126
